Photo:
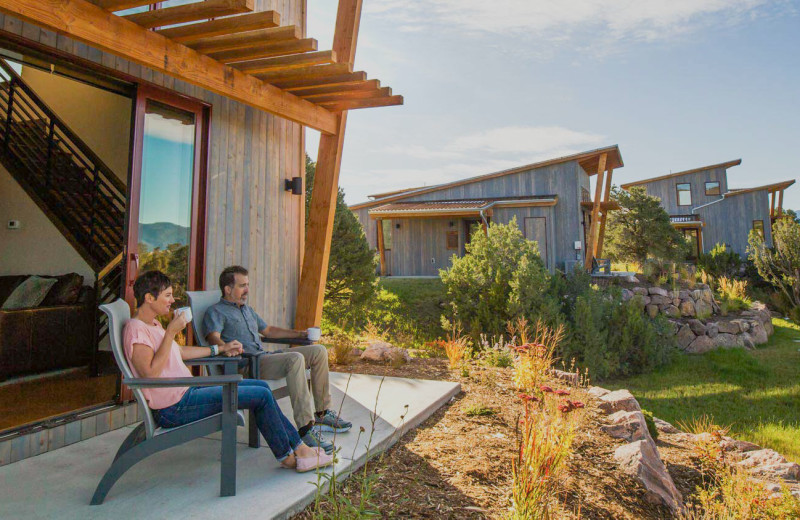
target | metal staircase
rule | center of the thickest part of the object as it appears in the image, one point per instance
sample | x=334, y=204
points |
x=80, y=195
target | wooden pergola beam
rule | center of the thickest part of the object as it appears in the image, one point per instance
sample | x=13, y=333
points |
x=602, y=235
x=350, y=95
x=267, y=50
x=230, y=42
x=285, y=63
x=224, y=26
x=372, y=84
x=314, y=272
x=310, y=72
x=119, y=5
x=353, y=104
x=190, y=12
x=598, y=193
x=89, y=24
x=351, y=78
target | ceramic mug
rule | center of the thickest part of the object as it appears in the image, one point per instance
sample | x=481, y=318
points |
x=187, y=313
x=313, y=333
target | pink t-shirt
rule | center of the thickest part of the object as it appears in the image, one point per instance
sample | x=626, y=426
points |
x=137, y=331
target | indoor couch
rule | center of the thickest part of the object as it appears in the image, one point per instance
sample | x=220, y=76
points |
x=56, y=334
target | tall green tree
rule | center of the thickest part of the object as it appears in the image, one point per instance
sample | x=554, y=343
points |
x=780, y=264
x=641, y=229
x=352, y=282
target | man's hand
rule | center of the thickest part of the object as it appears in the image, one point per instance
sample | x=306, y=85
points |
x=231, y=349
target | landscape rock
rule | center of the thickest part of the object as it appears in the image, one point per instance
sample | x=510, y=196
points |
x=658, y=291
x=652, y=310
x=712, y=330
x=657, y=299
x=382, y=352
x=729, y=327
x=701, y=345
x=664, y=426
x=685, y=336
x=640, y=459
x=629, y=426
x=642, y=291
x=627, y=295
x=703, y=309
x=570, y=377
x=598, y=392
x=619, y=400
x=747, y=340
x=743, y=325
x=684, y=295
x=762, y=457
x=769, y=327
x=759, y=334
x=728, y=341
x=672, y=311
x=730, y=444
x=697, y=294
x=687, y=308
x=697, y=327
x=707, y=296
x=782, y=470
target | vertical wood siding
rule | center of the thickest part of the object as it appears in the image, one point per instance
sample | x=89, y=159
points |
x=730, y=220
x=420, y=246
x=504, y=216
x=251, y=220
x=666, y=189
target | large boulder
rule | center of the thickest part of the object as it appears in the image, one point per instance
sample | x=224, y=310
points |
x=657, y=299
x=627, y=295
x=618, y=400
x=744, y=326
x=707, y=296
x=382, y=352
x=672, y=312
x=641, y=291
x=728, y=341
x=758, y=333
x=629, y=426
x=640, y=459
x=700, y=345
x=729, y=327
x=697, y=294
x=769, y=463
x=687, y=308
x=703, y=309
x=697, y=327
x=664, y=426
x=769, y=327
x=652, y=310
x=658, y=291
x=598, y=392
x=712, y=330
x=570, y=377
x=747, y=340
x=685, y=336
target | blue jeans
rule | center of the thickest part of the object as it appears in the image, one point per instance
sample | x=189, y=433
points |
x=200, y=402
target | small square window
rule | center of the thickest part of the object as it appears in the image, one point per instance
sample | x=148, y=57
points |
x=712, y=188
x=758, y=226
x=452, y=240
x=684, y=194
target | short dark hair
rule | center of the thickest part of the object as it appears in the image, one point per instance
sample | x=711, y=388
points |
x=151, y=282
x=228, y=276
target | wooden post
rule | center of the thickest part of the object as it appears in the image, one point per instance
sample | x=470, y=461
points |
x=381, y=247
x=314, y=272
x=598, y=193
x=602, y=235
x=772, y=206
x=780, y=204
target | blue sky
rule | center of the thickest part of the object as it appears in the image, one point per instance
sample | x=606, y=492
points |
x=491, y=85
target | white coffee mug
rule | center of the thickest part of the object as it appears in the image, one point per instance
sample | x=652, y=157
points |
x=187, y=313
x=313, y=333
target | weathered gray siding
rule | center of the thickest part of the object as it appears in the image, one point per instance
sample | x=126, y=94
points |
x=730, y=220
x=251, y=219
x=666, y=189
x=504, y=216
x=420, y=246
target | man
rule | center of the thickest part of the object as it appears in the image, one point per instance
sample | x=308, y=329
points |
x=232, y=320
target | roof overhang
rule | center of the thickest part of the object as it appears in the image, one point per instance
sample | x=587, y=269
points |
x=454, y=209
x=771, y=188
x=725, y=165
x=249, y=58
x=589, y=162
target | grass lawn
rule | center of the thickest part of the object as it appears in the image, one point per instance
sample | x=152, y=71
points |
x=755, y=393
x=419, y=303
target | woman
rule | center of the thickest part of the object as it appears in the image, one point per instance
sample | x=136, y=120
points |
x=152, y=352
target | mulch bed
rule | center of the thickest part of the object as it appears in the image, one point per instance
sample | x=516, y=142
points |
x=456, y=466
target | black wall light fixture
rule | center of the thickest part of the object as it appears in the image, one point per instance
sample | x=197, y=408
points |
x=295, y=185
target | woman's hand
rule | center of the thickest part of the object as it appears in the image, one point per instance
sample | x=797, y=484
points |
x=177, y=324
x=231, y=349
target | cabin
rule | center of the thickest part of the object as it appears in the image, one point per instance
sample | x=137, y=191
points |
x=417, y=231
x=708, y=212
x=139, y=135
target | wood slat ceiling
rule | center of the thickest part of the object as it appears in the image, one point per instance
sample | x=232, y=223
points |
x=256, y=44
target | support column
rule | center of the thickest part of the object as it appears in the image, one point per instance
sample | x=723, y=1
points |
x=602, y=235
x=780, y=204
x=314, y=272
x=381, y=247
x=598, y=194
x=772, y=206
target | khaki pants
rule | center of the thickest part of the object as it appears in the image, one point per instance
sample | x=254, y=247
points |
x=292, y=365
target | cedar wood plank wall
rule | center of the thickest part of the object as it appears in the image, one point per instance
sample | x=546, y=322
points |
x=666, y=190
x=251, y=219
x=419, y=240
x=730, y=220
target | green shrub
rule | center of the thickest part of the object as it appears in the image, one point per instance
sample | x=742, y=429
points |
x=479, y=410
x=651, y=423
x=499, y=279
x=720, y=261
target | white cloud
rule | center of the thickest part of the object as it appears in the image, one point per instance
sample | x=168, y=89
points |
x=530, y=140
x=556, y=21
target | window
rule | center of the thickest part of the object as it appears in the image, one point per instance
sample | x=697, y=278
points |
x=387, y=234
x=452, y=240
x=684, y=194
x=712, y=188
x=758, y=226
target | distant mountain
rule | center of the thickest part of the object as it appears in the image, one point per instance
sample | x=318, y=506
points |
x=162, y=234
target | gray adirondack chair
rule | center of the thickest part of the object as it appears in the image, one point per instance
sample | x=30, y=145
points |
x=200, y=301
x=147, y=438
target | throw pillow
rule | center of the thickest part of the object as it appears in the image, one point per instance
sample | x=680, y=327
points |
x=65, y=291
x=29, y=293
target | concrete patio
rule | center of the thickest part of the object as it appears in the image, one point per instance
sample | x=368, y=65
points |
x=184, y=482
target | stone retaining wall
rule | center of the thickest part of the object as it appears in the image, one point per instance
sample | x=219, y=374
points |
x=698, y=323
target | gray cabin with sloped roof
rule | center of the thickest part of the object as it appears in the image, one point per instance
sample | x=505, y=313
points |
x=417, y=231
x=708, y=212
